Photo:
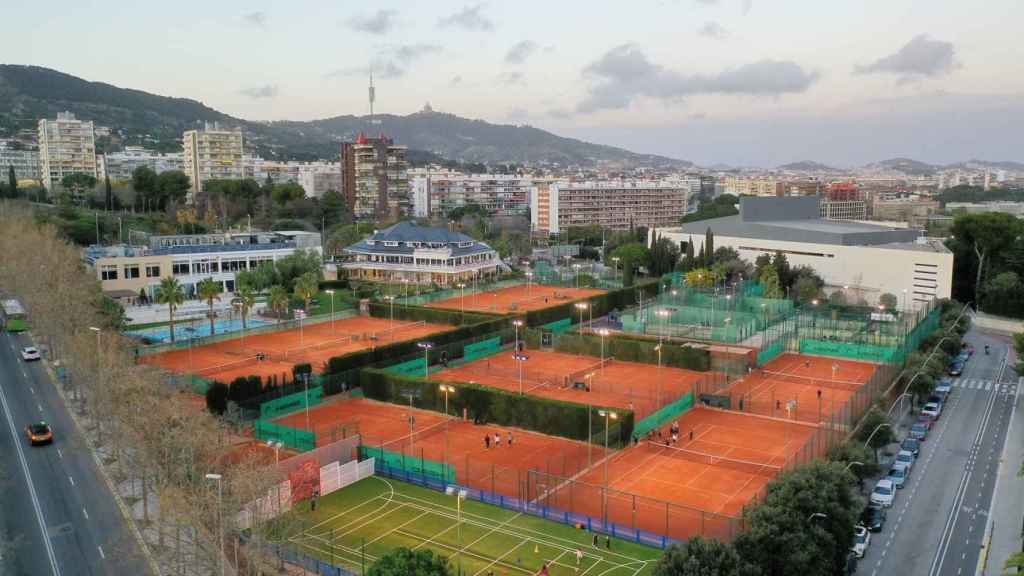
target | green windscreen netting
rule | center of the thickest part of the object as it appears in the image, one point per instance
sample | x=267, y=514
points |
x=409, y=464
x=301, y=440
x=291, y=403
x=664, y=415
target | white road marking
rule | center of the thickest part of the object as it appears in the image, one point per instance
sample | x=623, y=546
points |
x=60, y=454
x=102, y=555
x=72, y=480
x=85, y=513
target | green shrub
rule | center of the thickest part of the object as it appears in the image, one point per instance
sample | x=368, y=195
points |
x=633, y=349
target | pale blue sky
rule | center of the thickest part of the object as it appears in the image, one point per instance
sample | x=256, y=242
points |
x=735, y=81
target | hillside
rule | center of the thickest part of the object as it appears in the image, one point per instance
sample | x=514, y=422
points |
x=807, y=166
x=907, y=166
x=28, y=93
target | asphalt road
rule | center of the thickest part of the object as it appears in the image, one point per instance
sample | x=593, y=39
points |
x=937, y=522
x=54, y=505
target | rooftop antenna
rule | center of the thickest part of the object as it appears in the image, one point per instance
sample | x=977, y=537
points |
x=373, y=98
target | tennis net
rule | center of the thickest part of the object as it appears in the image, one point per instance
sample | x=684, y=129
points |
x=811, y=381
x=537, y=377
x=580, y=375
x=389, y=333
x=300, y=350
x=407, y=443
x=759, y=468
x=211, y=370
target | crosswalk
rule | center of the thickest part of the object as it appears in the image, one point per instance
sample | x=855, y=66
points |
x=985, y=385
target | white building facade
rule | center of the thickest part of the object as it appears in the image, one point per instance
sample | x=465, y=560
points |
x=66, y=146
x=615, y=205
x=438, y=192
x=120, y=166
x=24, y=162
x=212, y=154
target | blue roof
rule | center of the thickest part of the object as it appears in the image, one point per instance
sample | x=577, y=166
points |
x=408, y=232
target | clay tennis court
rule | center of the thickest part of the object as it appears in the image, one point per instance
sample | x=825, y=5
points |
x=499, y=468
x=315, y=344
x=625, y=385
x=706, y=481
x=514, y=299
x=800, y=387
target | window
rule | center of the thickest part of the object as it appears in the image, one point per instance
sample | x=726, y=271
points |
x=179, y=268
x=131, y=271
x=108, y=272
x=152, y=270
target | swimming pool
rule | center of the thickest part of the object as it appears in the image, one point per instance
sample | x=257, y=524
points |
x=199, y=328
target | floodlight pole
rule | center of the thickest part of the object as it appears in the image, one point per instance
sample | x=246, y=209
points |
x=331, y=292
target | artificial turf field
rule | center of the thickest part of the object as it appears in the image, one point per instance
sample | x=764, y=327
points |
x=377, y=514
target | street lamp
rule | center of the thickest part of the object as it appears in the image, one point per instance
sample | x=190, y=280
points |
x=462, y=299
x=517, y=324
x=426, y=346
x=519, y=357
x=604, y=333
x=220, y=521
x=331, y=292
x=872, y=435
x=657, y=398
x=446, y=388
x=851, y=464
x=391, y=305
x=529, y=282
x=460, y=495
x=576, y=274
x=581, y=306
x=615, y=269
x=277, y=450
x=816, y=516
x=607, y=415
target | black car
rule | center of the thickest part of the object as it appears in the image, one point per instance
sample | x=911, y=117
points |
x=911, y=445
x=873, y=518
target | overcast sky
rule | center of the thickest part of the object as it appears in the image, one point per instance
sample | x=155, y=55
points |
x=747, y=82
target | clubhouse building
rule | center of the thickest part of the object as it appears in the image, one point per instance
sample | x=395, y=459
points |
x=407, y=252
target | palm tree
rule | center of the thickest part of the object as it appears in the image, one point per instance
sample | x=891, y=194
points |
x=306, y=286
x=245, y=299
x=170, y=292
x=278, y=300
x=209, y=289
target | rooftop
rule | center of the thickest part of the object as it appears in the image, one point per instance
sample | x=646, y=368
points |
x=797, y=220
x=406, y=237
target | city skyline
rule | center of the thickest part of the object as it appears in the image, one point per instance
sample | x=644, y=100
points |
x=842, y=85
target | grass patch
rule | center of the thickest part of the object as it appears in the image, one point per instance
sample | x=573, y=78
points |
x=375, y=515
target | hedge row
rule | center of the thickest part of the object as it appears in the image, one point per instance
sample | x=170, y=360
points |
x=631, y=349
x=600, y=304
x=548, y=416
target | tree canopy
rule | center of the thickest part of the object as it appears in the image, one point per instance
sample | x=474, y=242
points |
x=700, y=557
x=405, y=562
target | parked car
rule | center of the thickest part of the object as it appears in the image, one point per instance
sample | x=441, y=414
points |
x=931, y=410
x=898, y=474
x=30, y=354
x=906, y=458
x=962, y=357
x=911, y=445
x=918, y=431
x=938, y=398
x=861, y=541
x=956, y=369
x=883, y=493
x=925, y=421
x=965, y=347
x=873, y=517
x=941, y=392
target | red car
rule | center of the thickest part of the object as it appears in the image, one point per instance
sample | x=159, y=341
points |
x=925, y=421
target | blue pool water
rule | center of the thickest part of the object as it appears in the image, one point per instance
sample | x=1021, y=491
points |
x=185, y=330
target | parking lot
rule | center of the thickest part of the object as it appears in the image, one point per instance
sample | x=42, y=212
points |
x=937, y=519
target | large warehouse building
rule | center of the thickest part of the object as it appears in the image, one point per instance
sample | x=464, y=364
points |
x=869, y=259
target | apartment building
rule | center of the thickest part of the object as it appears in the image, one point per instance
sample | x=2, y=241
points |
x=915, y=210
x=1014, y=208
x=616, y=205
x=422, y=255
x=192, y=258
x=67, y=145
x=212, y=154
x=843, y=209
x=24, y=162
x=739, y=186
x=375, y=177
x=316, y=178
x=120, y=166
x=435, y=193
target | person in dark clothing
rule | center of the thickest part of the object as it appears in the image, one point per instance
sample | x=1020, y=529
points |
x=608, y=542
x=487, y=441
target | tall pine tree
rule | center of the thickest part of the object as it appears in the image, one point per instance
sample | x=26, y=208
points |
x=12, y=182
x=709, y=247
x=109, y=200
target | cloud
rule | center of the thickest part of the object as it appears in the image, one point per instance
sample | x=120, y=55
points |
x=698, y=116
x=517, y=113
x=380, y=22
x=512, y=79
x=625, y=73
x=712, y=29
x=469, y=18
x=747, y=5
x=258, y=92
x=707, y=2
x=456, y=80
x=920, y=58
x=559, y=113
x=520, y=51
x=391, y=61
x=257, y=18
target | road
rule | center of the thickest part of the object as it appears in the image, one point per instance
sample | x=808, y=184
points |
x=937, y=522
x=56, y=508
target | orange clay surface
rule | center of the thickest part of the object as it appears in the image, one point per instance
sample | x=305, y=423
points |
x=521, y=298
x=617, y=385
x=769, y=395
x=499, y=468
x=704, y=495
x=315, y=343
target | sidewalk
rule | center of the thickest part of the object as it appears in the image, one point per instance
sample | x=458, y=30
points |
x=1006, y=516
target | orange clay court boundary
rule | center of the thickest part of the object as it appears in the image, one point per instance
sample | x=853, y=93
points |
x=710, y=495
x=498, y=468
x=514, y=299
x=625, y=385
x=767, y=395
x=230, y=359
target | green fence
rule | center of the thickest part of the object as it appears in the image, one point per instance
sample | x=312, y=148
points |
x=301, y=440
x=768, y=353
x=664, y=415
x=481, y=349
x=291, y=403
x=854, y=351
x=410, y=464
x=414, y=367
x=559, y=326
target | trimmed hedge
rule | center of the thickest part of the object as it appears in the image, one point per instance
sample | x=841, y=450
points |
x=632, y=349
x=600, y=304
x=548, y=416
x=414, y=313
